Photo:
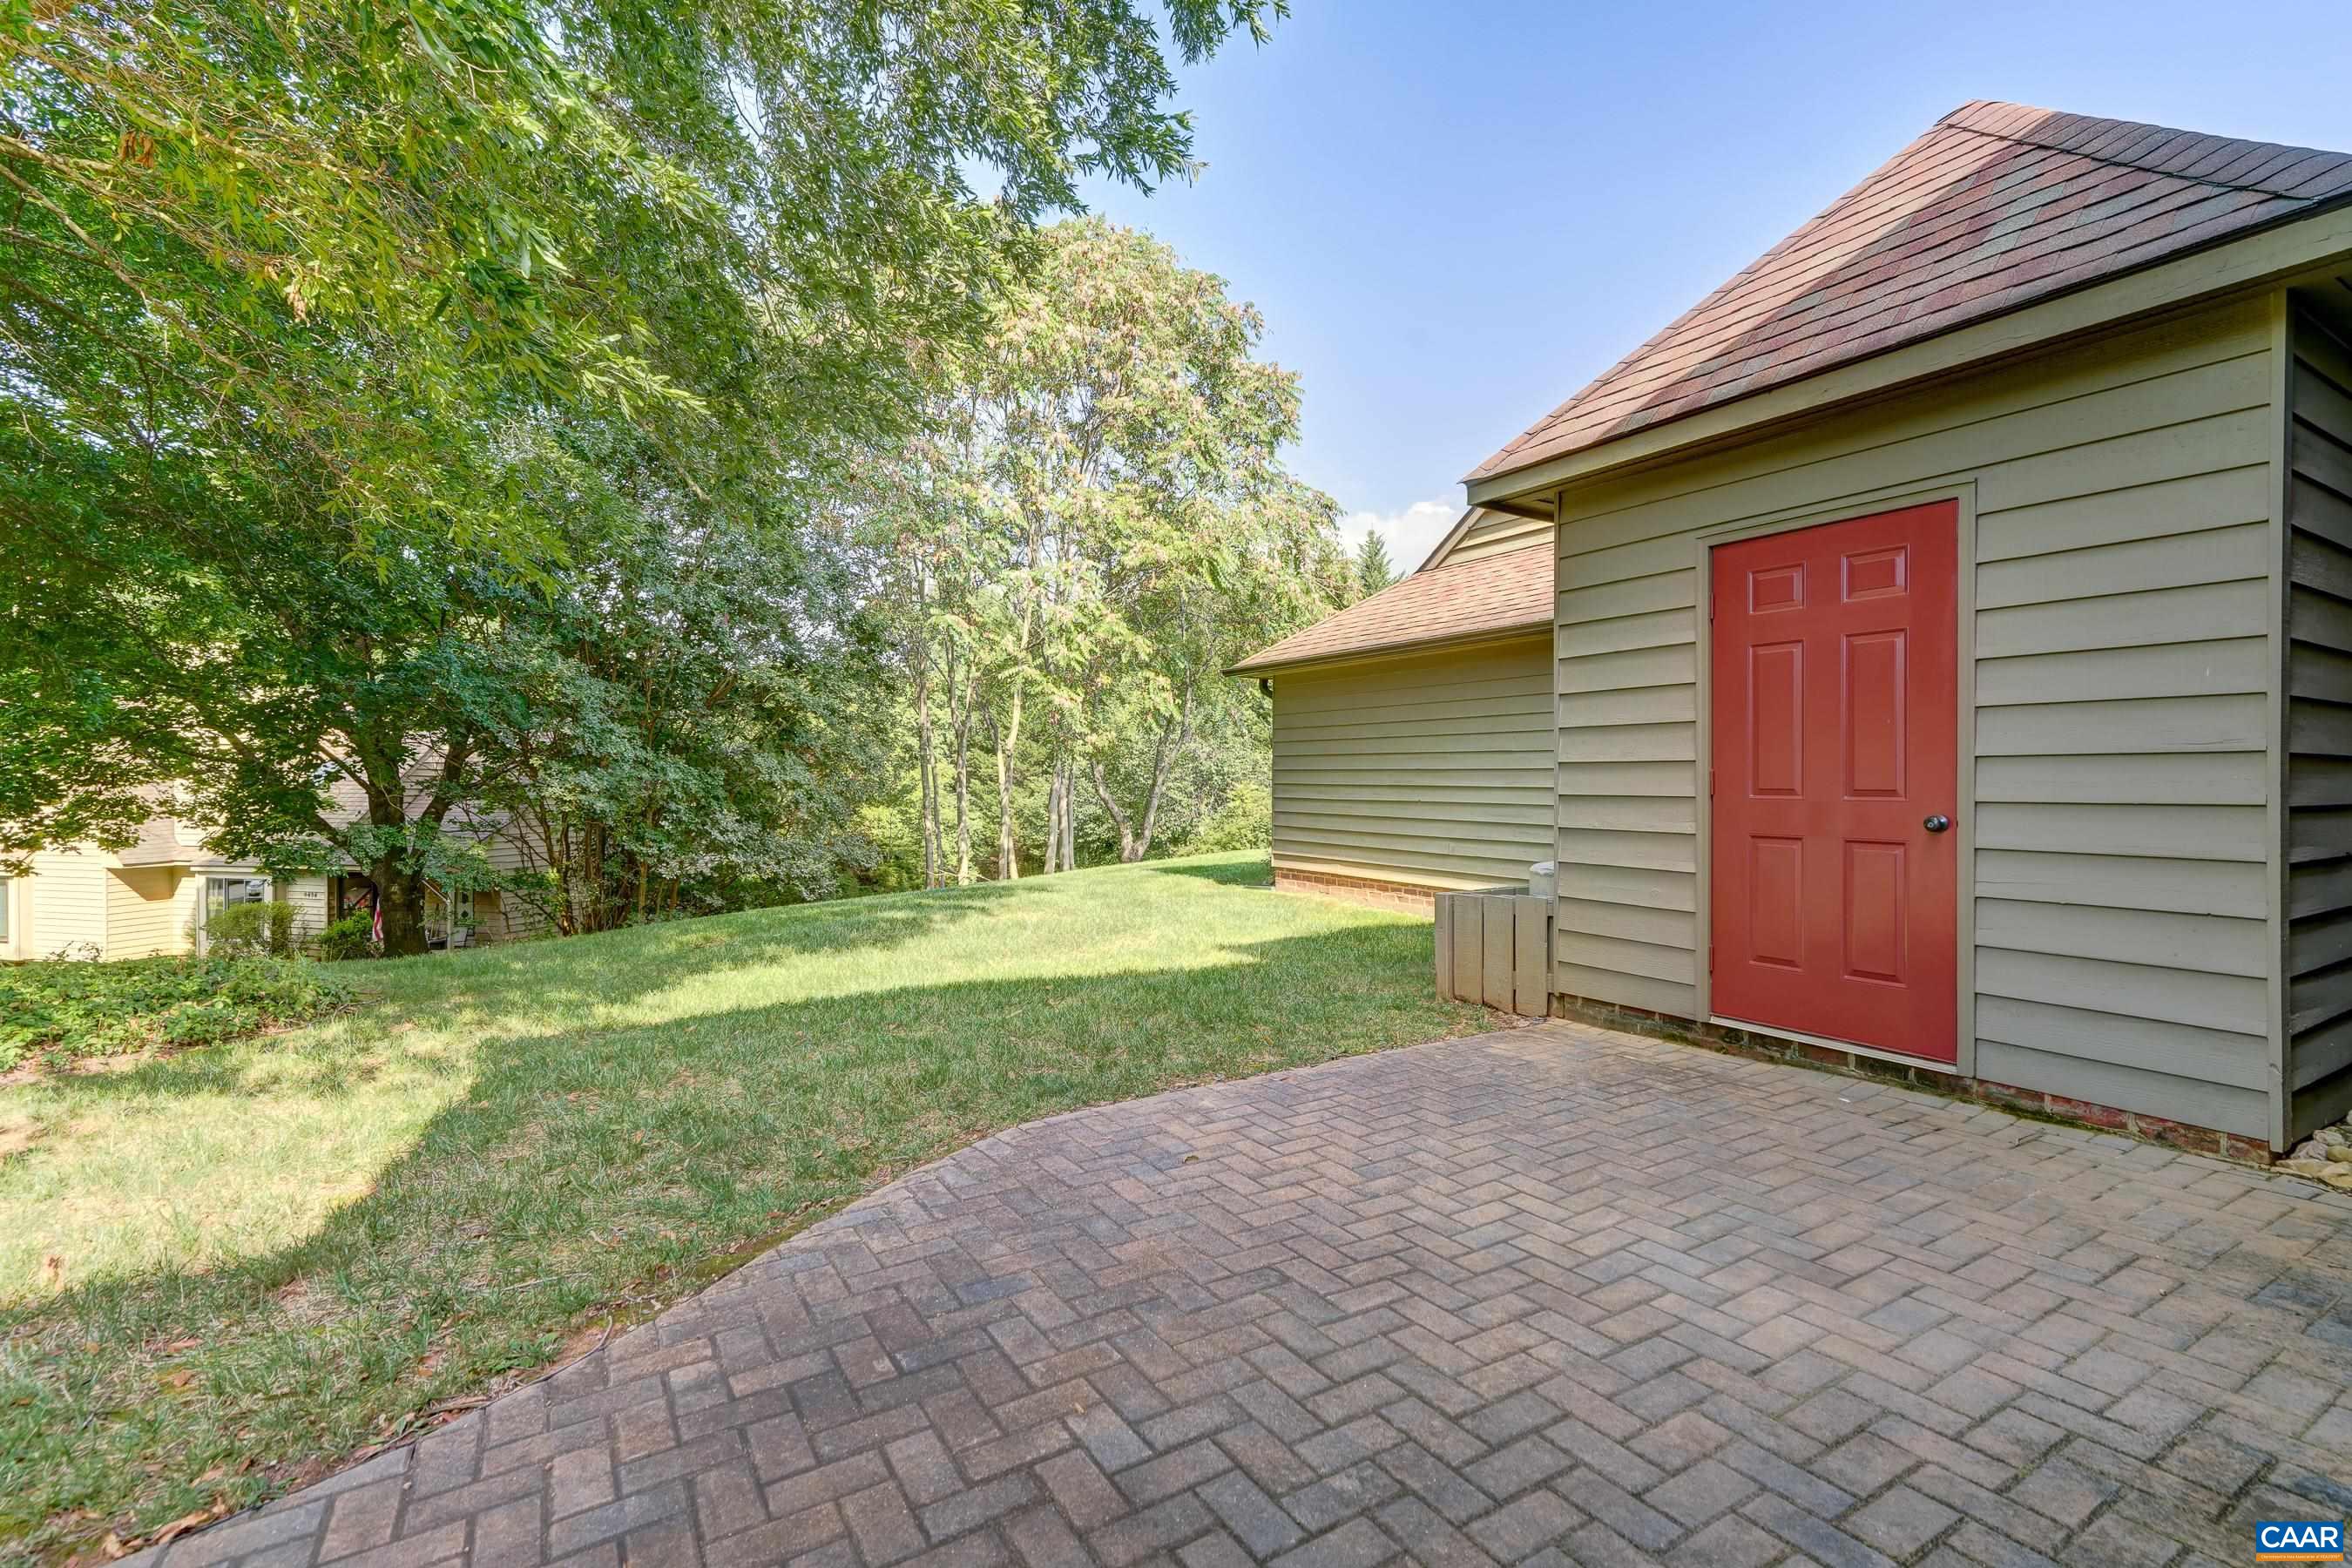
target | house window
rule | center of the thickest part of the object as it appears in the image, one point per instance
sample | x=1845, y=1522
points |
x=220, y=892
x=8, y=908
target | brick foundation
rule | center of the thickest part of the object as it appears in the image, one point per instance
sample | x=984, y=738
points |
x=2008, y=1097
x=1359, y=890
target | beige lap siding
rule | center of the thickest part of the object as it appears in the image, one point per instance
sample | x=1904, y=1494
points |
x=1498, y=533
x=2122, y=587
x=308, y=897
x=62, y=904
x=2319, y=725
x=503, y=917
x=1434, y=771
x=144, y=915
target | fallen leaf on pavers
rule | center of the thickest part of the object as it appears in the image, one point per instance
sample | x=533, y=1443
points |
x=186, y=1522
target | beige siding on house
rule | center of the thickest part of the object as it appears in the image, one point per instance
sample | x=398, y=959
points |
x=2123, y=587
x=16, y=905
x=187, y=909
x=505, y=916
x=143, y=917
x=1494, y=533
x=1434, y=771
x=63, y=904
x=308, y=897
x=2319, y=725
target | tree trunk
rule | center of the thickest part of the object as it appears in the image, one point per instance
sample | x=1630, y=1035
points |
x=597, y=915
x=1061, y=813
x=1008, y=852
x=1069, y=814
x=1162, y=760
x=399, y=897
x=926, y=810
x=1127, y=847
x=1008, y=741
x=963, y=792
x=1052, y=861
x=1135, y=836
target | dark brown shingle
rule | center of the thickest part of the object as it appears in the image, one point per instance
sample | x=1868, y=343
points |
x=1996, y=206
x=1444, y=604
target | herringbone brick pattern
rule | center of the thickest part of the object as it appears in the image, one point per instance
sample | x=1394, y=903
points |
x=1553, y=1294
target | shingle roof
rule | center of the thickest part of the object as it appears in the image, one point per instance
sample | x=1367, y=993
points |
x=1996, y=206
x=1459, y=600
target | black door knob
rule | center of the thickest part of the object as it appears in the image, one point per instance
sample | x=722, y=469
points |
x=1937, y=823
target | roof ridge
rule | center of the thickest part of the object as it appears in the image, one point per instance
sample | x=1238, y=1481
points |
x=2169, y=134
x=1954, y=229
x=1508, y=592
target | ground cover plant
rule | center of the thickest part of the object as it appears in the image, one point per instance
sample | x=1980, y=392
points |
x=57, y=1012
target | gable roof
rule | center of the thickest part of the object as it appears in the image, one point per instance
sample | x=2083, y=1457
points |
x=1458, y=602
x=1473, y=522
x=1997, y=206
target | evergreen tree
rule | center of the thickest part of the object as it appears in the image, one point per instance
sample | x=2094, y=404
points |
x=1374, y=572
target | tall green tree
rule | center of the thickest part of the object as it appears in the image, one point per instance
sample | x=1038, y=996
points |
x=1374, y=572
x=294, y=300
x=1103, y=524
x=336, y=227
x=698, y=709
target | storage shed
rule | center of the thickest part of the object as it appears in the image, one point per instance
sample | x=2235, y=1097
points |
x=1952, y=633
x=1414, y=731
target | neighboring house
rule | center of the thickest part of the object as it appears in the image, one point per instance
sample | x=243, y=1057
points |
x=152, y=898
x=82, y=901
x=1952, y=634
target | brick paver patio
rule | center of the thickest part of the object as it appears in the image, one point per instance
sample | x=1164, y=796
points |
x=1549, y=1294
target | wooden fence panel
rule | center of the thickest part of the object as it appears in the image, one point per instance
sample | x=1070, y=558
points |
x=1445, y=927
x=1495, y=949
x=1469, y=948
x=1497, y=932
x=1531, y=957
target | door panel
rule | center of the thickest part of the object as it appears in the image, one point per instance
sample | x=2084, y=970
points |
x=1835, y=735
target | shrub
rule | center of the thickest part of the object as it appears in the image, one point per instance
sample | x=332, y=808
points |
x=63, y=1011
x=251, y=930
x=353, y=936
x=1245, y=820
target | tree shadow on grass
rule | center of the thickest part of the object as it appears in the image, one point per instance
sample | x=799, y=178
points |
x=589, y=1172
x=1255, y=872
x=577, y=977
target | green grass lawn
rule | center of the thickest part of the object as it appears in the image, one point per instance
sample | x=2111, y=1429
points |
x=223, y=1271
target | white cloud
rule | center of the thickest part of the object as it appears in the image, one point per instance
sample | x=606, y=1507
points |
x=1410, y=534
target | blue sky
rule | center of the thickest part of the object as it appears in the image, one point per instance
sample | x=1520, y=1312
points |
x=1454, y=215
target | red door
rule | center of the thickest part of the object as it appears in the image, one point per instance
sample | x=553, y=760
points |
x=1835, y=732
